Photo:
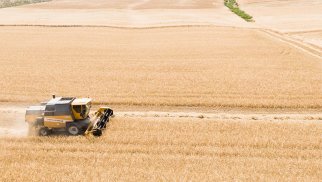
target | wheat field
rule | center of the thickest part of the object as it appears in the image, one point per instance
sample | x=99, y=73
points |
x=171, y=149
x=169, y=66
x=198, y=93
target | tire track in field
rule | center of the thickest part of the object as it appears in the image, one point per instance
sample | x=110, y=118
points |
x=226, y=116
x=304, y=47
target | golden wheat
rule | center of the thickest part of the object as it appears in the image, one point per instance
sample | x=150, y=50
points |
x=180, y=66
x=157, y=149
x=186, y=68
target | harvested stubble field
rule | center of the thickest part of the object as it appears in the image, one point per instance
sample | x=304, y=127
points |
x=169, y=66
x=300, y=18
x=171, y=149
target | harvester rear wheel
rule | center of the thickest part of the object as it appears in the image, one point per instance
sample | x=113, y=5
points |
x=43, y=131
x=72, y=129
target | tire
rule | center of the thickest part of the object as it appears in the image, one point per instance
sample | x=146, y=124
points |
x=43, y=131
x=73, y=129
x=97, y=133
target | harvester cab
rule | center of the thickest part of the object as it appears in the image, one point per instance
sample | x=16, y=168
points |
x=67, y=114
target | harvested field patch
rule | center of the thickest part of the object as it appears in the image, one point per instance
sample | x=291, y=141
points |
x=285, y=16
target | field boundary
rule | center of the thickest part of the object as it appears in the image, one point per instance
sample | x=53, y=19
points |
x=304, y=31
x=122, y=27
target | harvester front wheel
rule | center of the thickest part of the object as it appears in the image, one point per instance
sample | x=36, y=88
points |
x=97, y=133
x=72, y=129
x=43, y=131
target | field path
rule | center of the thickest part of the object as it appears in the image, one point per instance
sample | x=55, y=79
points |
x=311, y=49
x=12, y=117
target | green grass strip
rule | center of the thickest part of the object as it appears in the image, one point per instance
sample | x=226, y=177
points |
x=11, y=3
x=233, y=6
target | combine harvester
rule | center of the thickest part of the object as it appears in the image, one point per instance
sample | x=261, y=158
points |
x=67, y=114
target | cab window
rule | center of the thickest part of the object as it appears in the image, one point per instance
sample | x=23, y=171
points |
x=77, y=108
x=83, y=111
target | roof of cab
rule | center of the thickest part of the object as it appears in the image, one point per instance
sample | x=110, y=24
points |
x=81, y=101
x=61, y=100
